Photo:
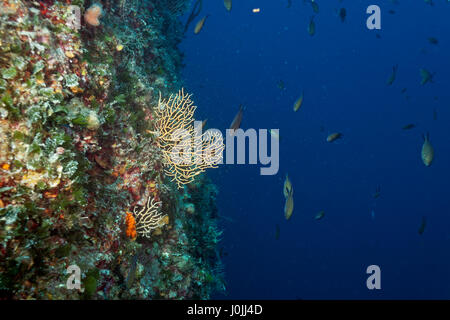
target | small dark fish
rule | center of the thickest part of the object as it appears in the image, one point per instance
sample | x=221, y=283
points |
x=315, y=6
x=426, y=75
x=289, y=4
x=222, y=252
x=393, y=75
x=377, y=193
x=204, y=123
x=228, y=4
x=298, y=103
x=422, y=226
x=434, y=114
x=334, y=136
x=430, y=2
x=391, y=11
x=378, y=36
x=342, y=14
x=433, y=40
x=287, y=187
x=409, y=126
x=281, y=85
x=403, y=90
x=277, y=232
x=320, y=215
x=311, y=27
x=289, y=205
x=132, y=272
x=236, y=124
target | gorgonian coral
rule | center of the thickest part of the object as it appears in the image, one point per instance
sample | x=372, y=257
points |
x=148, y=218
x=186, y=151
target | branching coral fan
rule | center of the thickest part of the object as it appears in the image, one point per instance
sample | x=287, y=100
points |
x=186, y=154
x=148, y=218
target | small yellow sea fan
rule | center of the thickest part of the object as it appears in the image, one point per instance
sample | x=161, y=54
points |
x=149, y=217
x=92, y=15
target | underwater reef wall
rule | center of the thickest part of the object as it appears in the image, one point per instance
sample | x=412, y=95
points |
x=78, y=160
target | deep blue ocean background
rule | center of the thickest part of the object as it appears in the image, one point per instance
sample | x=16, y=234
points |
x=240, y=56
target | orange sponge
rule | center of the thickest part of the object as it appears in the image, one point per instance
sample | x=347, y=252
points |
x=131, y=225
x=92, y=15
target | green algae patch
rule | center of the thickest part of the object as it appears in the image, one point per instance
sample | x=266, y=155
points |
x=9, y=73
x=90, y=283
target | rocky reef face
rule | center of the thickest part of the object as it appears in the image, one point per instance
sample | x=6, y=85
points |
x=77, y=155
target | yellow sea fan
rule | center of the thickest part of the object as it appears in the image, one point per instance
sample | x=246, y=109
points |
x=177, y=112
x=149, y=217
x=186, y=153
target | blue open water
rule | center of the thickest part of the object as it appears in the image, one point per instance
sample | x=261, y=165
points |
x=239, y=57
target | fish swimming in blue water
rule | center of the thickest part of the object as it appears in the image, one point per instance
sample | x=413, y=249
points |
x=423, y=224
x=426, y=75
x=311, y=27
x=199, y=25
x=393, y=75
x=427, y=150
x=236, y=124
